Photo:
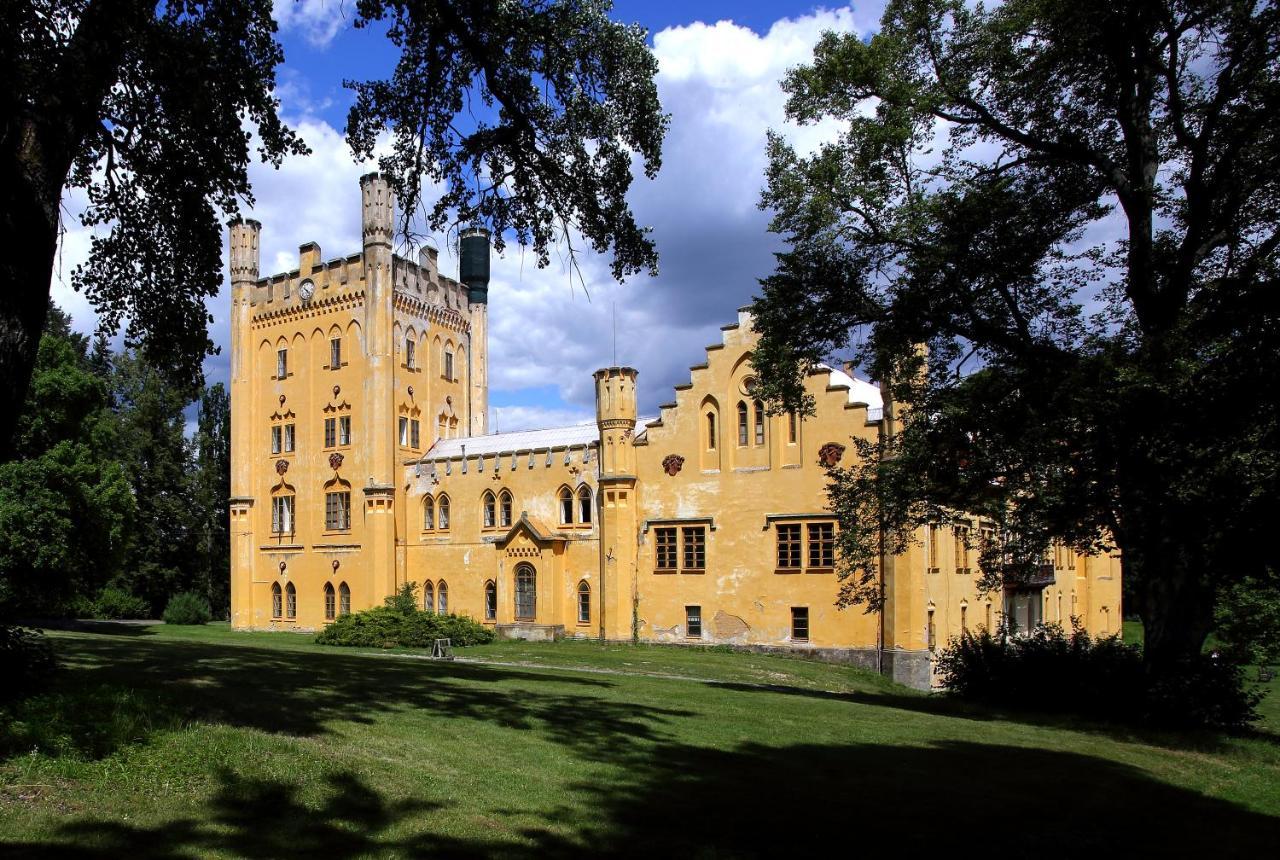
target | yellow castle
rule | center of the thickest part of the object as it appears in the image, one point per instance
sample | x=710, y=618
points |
x=361, y=460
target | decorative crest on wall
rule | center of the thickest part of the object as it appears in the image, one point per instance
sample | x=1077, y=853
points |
x=830, y=454
x=672, y=464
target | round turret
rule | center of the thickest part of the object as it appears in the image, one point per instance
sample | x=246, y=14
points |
x=473, y=263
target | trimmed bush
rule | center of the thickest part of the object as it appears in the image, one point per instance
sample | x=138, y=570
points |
x=26, y=660
x=1052, y=671
x=401, y=624
x=118, y=603
x=187, y=608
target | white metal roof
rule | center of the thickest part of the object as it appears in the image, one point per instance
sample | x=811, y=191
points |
x=860, y=391
x=573, y=436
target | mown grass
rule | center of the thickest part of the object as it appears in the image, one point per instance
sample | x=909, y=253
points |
x=172, y=742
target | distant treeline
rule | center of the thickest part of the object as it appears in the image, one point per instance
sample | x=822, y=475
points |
x=109, y=508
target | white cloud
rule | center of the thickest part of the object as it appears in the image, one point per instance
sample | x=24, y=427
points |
x=317, y=20
x=720, y=83
x=508, y=419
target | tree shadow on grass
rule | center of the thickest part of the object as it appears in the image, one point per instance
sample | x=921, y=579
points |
x=151, y=685
x=942, y=705
x=751, y=801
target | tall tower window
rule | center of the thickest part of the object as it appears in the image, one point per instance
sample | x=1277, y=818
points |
x=409, y=356
x=711, y=430
x=793, y=427
x=759, y=413
x=282, y=515
x=344, y=430
x=584, y=505
x=337, y=511
x=742, y=423
x=282, y=363
x=335, y=353
x=448, y=364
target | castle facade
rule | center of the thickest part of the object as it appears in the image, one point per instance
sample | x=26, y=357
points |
x=361, y=461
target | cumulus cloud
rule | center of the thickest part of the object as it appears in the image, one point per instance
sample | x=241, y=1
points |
x=720, y=83
x=318, y=21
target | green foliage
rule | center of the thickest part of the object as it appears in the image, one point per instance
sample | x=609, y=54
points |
x=401, y=624
x=1049, y=670
x=64, y=520
x=187, y=608
x=1247, y=620
x=26, y=661
x=211, y=487
x=1082, y=382
x=114, y=602
x=526, y=116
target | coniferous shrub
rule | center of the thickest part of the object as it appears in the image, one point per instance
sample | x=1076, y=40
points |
x=1054, y=671
x=26, y=659
x=187, y=608
x=401, y=624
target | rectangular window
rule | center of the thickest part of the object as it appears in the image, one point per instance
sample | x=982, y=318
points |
x=693, y=622
x=665, y=542
x=695, y=547
x=448, y=364
x=337, y=511
x=335, y=353
x=404, y=432
x=799, y=624
x=282, y=363
x=409, y=350
x=962, y=549
x=344, y=430
x=822, y=545
x=282, y=515
x=414, y=435
x=789, y=546
x=277, y=433
x=793, y=430
x=288, y=437
x=759, y=414
x=330, y=432
x=934, y=561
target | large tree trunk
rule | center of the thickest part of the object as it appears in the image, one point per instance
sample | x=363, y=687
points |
x=28, y=241
x=1175, y=597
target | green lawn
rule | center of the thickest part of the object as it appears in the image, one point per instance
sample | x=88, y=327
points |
x=171, y=742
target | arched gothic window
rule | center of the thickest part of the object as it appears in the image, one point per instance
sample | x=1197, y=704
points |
x=490, y=512
x=442, y=595
x=490, y=601
x=290, y=601
x=584, y=505
x=584, y=603
x=344, y=599
x=742, y=423
x=428, y=513
x=566, y=506
x=428, y=597
x=711, y=431
x=330, y=602
x=504, y=509
x=277, y=601
x=759, y=422
x=442, y=512
x=526, y=593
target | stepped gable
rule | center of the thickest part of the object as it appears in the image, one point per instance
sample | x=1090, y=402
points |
x=854, y=393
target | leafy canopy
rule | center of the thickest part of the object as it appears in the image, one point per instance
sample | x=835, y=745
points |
x=1051, y=227
x=523, y=116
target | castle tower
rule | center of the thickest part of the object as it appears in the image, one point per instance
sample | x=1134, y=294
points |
x=377, y=222
x=473, y=271
x=244, y=258
x=617, y=503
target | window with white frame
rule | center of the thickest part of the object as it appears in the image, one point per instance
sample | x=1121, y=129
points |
x=282, y=514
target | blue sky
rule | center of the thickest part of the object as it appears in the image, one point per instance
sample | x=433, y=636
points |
x=719, y=68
